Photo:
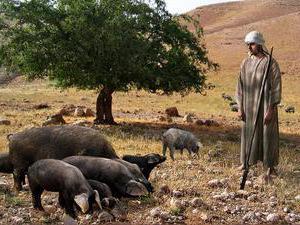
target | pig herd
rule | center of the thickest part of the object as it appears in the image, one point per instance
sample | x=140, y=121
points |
x=82, y=166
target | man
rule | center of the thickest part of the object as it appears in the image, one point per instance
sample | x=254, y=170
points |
x=265, y=143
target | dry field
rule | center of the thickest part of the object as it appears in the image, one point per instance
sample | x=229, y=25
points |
x=139, y=132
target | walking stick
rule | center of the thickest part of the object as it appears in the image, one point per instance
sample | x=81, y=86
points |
x=248, y=153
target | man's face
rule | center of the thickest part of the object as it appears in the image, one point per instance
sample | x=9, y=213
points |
x=254, y=48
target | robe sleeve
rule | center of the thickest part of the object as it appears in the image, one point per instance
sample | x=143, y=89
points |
x=239, y=88
x=276, y=86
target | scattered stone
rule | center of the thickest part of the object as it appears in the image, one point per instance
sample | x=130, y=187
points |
x=41, y=106
x=172, y=112
x=286, y=209
x=68, y=220
x=177, y=194
x=249, y=216
x=79, y=112
x=105, y=217
x=215, y=183
x=4, y=122
x=54, y=120
x=88, y=112
x=175, y=203
x=195, y=211
x=224, y=182
x=242, y=194
x=226, y=209
x=156, y=212
x=67, y=110
x=204, y=216
x=188, y=118
x=273, y=217
x=17, y=220
x=290, y=109
x=83, y=123
x=223, y=196
x=164, y=189
x=119, y=213
x=252, y=198
x=196, y=202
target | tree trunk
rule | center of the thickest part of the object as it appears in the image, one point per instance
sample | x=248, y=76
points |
x=104, y=107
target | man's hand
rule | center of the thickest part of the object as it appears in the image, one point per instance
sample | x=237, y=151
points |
x=268, y=115
x=242, y=116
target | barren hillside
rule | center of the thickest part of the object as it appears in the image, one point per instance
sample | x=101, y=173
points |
x=226, y=24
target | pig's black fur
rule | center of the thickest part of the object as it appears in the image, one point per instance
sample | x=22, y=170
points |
x=146, y=163
x=58, y=176
x=5, y=164
x=112, y=172
x=56, y=142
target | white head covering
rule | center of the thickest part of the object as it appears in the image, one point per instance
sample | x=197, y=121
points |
x=256, y=37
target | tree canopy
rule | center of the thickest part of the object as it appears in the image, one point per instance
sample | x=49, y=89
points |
x=116, y=44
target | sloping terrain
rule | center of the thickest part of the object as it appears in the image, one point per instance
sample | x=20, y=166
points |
x=226, y=24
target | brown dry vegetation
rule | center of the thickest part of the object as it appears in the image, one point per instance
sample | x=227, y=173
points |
x=225, y=26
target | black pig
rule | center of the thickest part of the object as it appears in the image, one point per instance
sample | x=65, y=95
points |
x=58, y=176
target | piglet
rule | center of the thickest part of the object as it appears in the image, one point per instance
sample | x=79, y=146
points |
x=58, y=176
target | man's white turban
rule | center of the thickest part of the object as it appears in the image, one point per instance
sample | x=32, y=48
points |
x=254, y=37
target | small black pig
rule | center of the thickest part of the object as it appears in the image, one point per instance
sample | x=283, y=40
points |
x=124, y=178
x=146, y=163
x=58, y=176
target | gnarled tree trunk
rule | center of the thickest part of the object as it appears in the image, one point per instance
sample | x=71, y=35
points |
x=104, y=107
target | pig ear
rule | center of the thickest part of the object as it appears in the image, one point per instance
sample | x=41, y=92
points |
x=82, y=201
x=135, y=189
x=97, y=199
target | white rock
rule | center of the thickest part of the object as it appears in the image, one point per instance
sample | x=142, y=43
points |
x=226, y=209
x=195, y=211
x=249, y=216
x=79, y=112
x=188, y=118
x=215, y=183
x=273, y=217
x=297, y=198
x=17, y=220
x=175, y=203
x=176, y=193
x=286, y=209
x=273, y=199
x=252, y=197
x=156, y=212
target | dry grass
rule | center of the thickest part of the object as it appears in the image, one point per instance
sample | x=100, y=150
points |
x=139, y=133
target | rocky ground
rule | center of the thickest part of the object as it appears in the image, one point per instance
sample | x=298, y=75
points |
x=217, y=202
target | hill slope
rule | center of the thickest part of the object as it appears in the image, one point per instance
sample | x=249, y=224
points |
x=226, y=24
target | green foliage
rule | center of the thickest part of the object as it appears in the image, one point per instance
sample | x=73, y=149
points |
x=114, y=43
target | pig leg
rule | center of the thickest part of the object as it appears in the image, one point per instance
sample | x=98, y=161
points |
x=172, y=149
x=36, y=197
x=61, y=200
x=19, y=177
x=69, y=204
x=164, y=149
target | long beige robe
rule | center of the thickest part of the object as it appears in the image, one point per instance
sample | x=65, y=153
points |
x=265, y=145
